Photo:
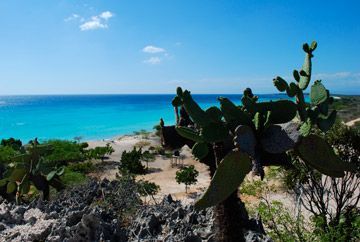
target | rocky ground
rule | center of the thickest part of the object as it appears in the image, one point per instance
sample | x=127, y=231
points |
x=100, y=211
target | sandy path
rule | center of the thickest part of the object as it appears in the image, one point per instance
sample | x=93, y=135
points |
x=161, y=171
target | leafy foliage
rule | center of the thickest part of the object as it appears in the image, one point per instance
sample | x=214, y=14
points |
x=6, y=153
x=147, y=156
x=187, y=175
x=281, y=225
x=100, y=152
x=72, y=178
x=333, y=202
x=65, y=151
x=131, y=162
x=146, y=188
x=82, y=167
x=15, y=144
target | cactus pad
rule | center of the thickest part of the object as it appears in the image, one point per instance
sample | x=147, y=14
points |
x=318, y=93
x=321, y=156
x=227, y=178
x=200, y=150
x=276, y=140
x=245, y=140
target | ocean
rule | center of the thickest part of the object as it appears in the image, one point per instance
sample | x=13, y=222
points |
x=91, y=117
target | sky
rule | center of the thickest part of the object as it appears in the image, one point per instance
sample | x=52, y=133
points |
x=143, y=46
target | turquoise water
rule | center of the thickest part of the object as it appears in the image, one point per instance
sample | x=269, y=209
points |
x=90, y=116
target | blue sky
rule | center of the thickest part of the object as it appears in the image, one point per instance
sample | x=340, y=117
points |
x=142, y=46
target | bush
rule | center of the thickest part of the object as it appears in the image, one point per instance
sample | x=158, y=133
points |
x=11, y=142
x=187, y=175
x=131, y=162
x=333, y=202
x=146, y=188
x=6, y=153
x=71, y=178
x=82, y=167
x=280, y=224
x=65, y=151
x=100, y=152
x=148, y=157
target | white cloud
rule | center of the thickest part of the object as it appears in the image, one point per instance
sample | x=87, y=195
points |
x=106, y=15
x=153, y=60
x=94, y=23
x=97, y=22
x=72, y=17
x=337, y=75
x=153, y=49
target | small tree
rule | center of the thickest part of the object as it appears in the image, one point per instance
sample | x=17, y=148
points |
x=131, y=162
x=187, y=175
x=100, y=152
x=146, y=188
x=148, y=157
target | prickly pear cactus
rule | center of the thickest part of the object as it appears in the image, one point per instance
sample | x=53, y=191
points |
x=261, y=133
x=28, y=169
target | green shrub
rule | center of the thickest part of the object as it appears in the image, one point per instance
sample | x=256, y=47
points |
x=253, y=188
x=82, y=167
x=187, y=175
x=71, y=178
x=280, y=224
x=65, y=151
x=147, y=156
x=100, y=152
x=131, y=162
x=347, y=229
x=6, y=153
x=146, y=188
x=11, y=142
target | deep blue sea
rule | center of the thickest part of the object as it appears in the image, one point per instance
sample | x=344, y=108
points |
x=91, y=116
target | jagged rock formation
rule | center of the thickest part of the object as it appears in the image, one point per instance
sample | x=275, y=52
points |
x=80, y=214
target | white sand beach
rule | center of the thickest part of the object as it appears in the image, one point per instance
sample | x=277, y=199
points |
x=161, y=171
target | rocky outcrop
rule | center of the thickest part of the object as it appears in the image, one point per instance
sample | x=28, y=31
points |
x=99, y=211
x=170, y=221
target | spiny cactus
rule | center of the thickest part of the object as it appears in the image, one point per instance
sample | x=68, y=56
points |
x=29, y=169
x=255, y=134
x=315, y=113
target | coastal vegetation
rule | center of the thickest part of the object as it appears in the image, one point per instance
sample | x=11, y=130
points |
x=55, y=163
